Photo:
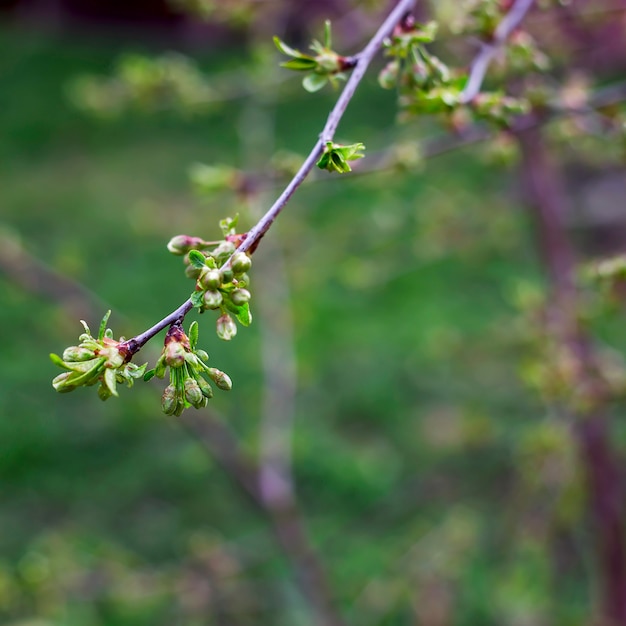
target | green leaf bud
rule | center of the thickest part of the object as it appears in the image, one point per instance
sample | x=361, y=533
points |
x=169, y=400
x=210, y=279
x=104, y=393
x=224, y=250
x=202, y=355
x=192, y=272
x=212, y=299
x=240, y=263
x=221, y=379
x=240, y=296
x=75, y=354
x=226, y=327
x=388, y=76
x=227, y=275
x=193, y=392
x=160, y=367
x=62, y=384
x=207, y=390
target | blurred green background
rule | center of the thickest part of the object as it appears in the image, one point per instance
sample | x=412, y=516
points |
x=436, y=488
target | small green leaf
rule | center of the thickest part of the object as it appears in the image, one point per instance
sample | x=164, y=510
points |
x=103, y=325
x=314, y=82
x=241, y=312
x=229, y=225
x=285, y=49
x=197, y=299
x=193, y=334
x=110, y=380
x=328, y=40
x=301, y=64
x=57, y=360
x=149, y=375
x=197, y=259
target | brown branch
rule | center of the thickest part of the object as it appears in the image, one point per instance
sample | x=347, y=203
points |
x=255, y=234
x=35, y=276
x=547, y=198
x=285, y=519
x=481, y=62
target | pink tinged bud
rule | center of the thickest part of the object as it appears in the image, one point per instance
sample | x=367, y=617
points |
x=221, y=379
x=174, y=354
x=226, y=327
x=181, y=244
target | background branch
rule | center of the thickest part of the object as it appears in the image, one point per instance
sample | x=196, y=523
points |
x=547, y=199
x=489, y=50
x=255, y=234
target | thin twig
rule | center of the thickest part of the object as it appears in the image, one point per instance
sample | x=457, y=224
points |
x=285, y=518
x=253, y=236
x=489, y=50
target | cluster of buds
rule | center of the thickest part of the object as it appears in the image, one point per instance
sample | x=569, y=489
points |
x=221, y=276
x=425, y=83
x=188, y=372
x=323, y=67
x=103, y=360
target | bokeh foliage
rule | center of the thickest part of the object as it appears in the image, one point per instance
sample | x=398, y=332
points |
x=435, y=485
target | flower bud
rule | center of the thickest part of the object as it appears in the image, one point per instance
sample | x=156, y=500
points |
x=240, y=296
x=202, y=354
x=169, y=400
x=193, y=393
x=191, y=271
x=174, y=354
x=221, y=379
x=160, y=367
x=225, y=249
x=207, y=390
x=210, y=279
x=241, y=263
x=62, y=384
x=104, y=393
x=227, y=275
x=181, y=244
x=388, y=76
x=74, y=354
x=212, y=299
x=226, y=327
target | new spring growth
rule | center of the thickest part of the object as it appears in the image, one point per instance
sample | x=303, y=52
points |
x=335, y=157
x=96, y=360
x=221, y=276
x=188, y=385
x=325, y=66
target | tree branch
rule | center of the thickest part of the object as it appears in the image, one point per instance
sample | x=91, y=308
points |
x=285, y=518
x=489, y=50
x=590, y=422
x=254, y=235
